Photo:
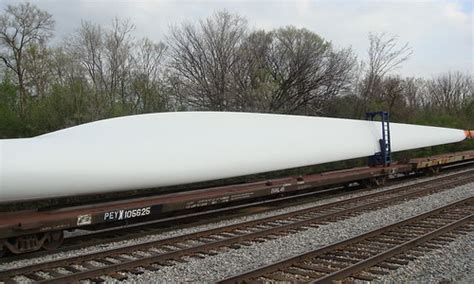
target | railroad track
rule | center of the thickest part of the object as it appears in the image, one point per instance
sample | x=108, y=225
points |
x=184, y=220
x=126, y=232
x=375, y=253
x=152, y=255
x=142, y=229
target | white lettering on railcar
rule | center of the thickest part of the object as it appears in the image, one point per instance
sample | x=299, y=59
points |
x=206, y=202
x=122, y=214
x=84, y=220
x=277, y=189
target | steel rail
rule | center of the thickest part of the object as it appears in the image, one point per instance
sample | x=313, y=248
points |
x=141, y=229
x=135, y=230
x=326, y=275
x=366, y=263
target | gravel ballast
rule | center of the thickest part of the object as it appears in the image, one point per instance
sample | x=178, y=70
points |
x=452, y=263
x=231, y=262
x=189, y=230
x=228, y=263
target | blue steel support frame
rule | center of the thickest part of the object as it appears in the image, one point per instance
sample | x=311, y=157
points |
x=384, y=157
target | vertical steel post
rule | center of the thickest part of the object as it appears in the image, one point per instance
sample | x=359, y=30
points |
x=384, y=157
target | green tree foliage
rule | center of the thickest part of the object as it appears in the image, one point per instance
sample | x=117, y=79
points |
x=10, y=123
x=22, y=27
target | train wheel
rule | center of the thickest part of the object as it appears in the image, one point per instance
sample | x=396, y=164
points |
x=435, y=170
x=380, y=181
x=53, y=240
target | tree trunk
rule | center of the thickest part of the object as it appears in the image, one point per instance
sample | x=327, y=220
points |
x=22, y=95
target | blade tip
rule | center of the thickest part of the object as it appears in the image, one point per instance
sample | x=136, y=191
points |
x=469, y=134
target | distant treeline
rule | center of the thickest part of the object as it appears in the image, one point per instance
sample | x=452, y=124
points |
x=217, y=64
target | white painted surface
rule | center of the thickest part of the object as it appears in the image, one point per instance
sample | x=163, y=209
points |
x=162, y=149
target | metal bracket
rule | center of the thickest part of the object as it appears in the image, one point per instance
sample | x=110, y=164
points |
x=384, y=157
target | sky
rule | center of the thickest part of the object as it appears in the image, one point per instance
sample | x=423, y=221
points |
x=440, y=32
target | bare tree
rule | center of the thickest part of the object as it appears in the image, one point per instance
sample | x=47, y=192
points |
x=71, y=88
x=148, y=61
x=252, y=76
x=415, y=93
x=86, y=48
x=307, y=69
x=105, y=56
x=37, y=61
x=203, y=58
x=21, y=26
x=118, y=43
x=64, y=68
x=385, y=55
x=392, y=95
x=450, y=92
